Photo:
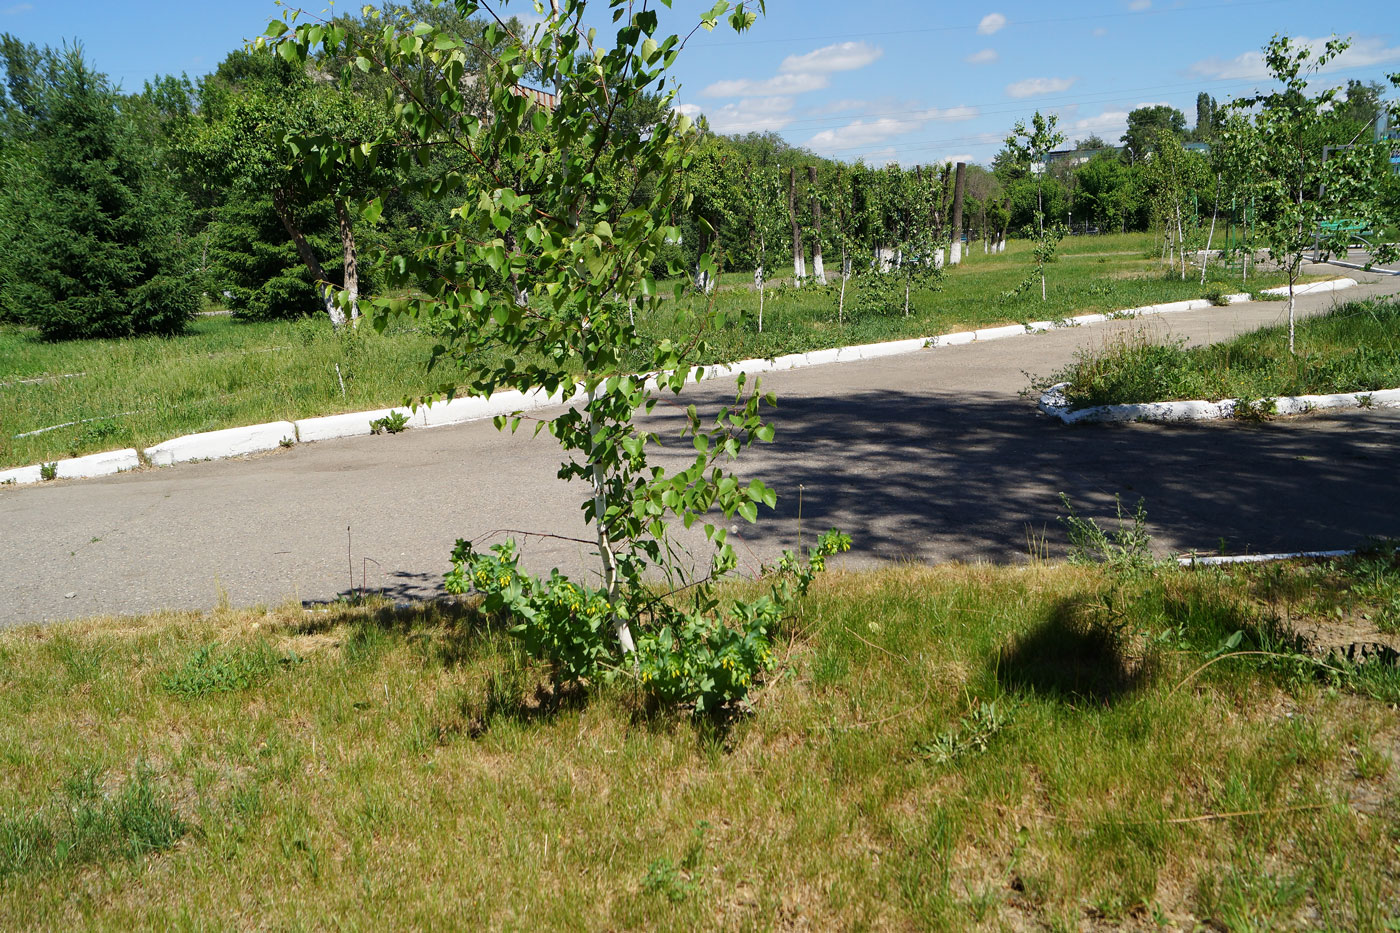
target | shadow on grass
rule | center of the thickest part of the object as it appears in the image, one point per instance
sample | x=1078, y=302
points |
x=1074, y=657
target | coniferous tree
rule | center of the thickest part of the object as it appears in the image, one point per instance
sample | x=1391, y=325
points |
x=97, y=240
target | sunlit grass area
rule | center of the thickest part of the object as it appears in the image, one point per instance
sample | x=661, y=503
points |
x=1050, y=746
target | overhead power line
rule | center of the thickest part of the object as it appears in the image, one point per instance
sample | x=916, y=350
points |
x=1010, y=24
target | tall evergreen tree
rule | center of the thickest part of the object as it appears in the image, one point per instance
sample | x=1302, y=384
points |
x=96, y=240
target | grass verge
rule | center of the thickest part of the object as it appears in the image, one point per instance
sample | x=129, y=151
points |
x=1355, y=348
x=1050, y=746
x=90, y=396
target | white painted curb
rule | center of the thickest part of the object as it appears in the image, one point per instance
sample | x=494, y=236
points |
x=233, y=442
x=217, y=445
x=103, y=464
x=1310, y=288
x=19, y=476
x=354, y=424
x=1054, y=403
x=1218, y=560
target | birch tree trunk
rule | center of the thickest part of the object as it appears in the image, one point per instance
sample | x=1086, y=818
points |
x=845, y=274
x=959, y=186
x=352, y=266
x=308, y=257
x=799, y=259
x=605, y=546
x=1211, y=237
x=818, y=271
x=1181, y=241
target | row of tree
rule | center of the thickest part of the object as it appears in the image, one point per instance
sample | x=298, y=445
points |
x=125, y=210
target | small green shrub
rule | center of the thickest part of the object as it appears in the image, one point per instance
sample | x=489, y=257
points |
x=704, y=656
x=392, y=423
x=217, y=669
x=48, y=471
x=1126, y=550
x=1255, y=409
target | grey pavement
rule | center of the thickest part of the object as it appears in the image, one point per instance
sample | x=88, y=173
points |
x=930, y=456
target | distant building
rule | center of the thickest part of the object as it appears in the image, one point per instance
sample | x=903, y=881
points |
x=1072, y=156
x=543, y=98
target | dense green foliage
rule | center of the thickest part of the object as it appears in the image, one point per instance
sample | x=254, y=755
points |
x=96, y=244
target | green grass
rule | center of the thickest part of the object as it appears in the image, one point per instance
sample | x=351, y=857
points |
x=944, y=748
x=1355, y=348
x=225, y=372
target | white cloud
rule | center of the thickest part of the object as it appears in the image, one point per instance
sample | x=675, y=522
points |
x=862, y=132
x=954, y=114
x=690, y=110
x=767, y=87
x=955, y=159
x=846, y=56
x=1138, y=6
x=750, y=115
x=1109, y=125
x=1034, y=87
x=1250, y=65
x=18, y=8
x=1099, y=32
x=991, y=23
x=840, y=106
x=984, y=57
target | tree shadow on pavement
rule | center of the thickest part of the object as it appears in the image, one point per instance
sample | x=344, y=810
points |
x=936, y=478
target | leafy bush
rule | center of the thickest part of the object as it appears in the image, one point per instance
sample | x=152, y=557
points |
x=703, y=656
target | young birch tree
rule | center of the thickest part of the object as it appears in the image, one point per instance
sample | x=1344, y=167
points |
x=538, y=261
x=1029, y=147
x=1298, y=185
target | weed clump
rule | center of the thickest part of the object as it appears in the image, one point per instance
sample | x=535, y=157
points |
x=89, y=826
x=217, y=669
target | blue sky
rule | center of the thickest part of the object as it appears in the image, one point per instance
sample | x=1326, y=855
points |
x=904, y=80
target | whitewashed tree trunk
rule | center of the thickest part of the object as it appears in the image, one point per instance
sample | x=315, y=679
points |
x=959, y=186
x=938, y=258
x=758, y=283
x=799, y=259
x=845, y=275
x=818, y=270
x=605, y=547
x=324, y=289
x=704, y=281
x=352, y=266
x=1211, y=236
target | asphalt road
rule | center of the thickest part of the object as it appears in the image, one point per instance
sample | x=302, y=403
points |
x=930, y=456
